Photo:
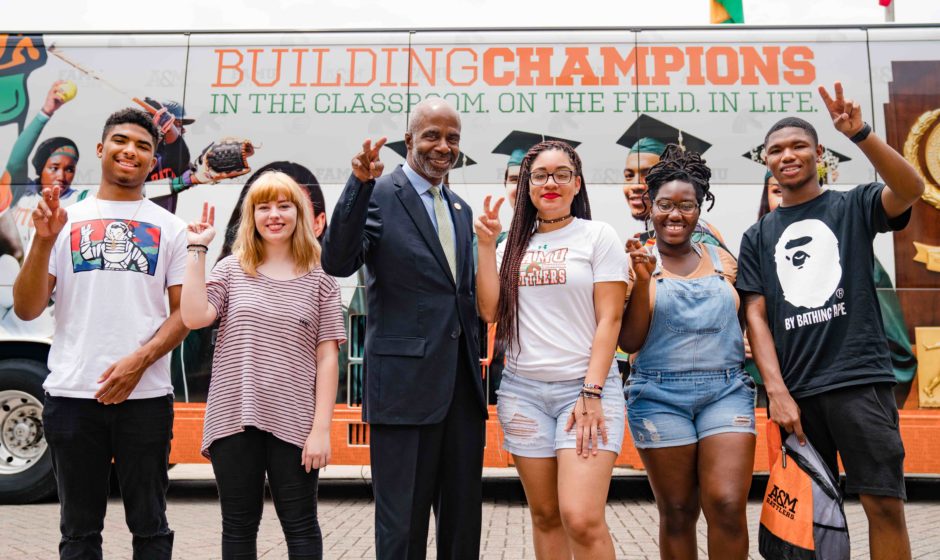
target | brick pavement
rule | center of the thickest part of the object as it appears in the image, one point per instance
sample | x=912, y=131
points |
x=30, y=532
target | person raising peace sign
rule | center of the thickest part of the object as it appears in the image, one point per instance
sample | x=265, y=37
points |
x=423, y=391
x=117, y=318
x=273, y=372
x=812, y=258
x=555, y=287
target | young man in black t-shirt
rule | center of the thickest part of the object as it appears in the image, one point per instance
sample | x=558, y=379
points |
x=813, y=319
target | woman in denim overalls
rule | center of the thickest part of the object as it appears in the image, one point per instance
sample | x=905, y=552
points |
x=690, y=404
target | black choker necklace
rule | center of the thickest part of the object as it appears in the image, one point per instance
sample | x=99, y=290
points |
x=555, y=220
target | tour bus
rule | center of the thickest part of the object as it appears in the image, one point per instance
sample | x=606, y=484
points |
x=313, y=97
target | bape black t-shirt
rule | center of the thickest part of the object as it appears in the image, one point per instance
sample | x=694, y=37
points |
x=813, y=265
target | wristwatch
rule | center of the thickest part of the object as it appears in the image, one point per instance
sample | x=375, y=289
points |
x=861, y=134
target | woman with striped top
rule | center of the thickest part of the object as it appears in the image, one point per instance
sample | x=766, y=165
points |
x=274, y=372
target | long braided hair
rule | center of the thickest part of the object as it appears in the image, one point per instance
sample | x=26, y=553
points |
x=678, y=165
x=524, y=224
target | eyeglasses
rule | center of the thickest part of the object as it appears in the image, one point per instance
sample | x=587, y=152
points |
x=561, y=176
x=685, y=207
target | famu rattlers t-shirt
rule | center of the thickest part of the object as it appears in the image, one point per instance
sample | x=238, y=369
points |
x=556, y=298
x=813, y=264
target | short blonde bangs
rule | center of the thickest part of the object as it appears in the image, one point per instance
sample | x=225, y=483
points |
x=249, y=245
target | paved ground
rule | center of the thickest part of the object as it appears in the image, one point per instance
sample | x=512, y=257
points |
x=30, y=532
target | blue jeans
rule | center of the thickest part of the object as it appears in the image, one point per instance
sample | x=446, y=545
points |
x=84, y=436
x=673, y=409
x=533, y=414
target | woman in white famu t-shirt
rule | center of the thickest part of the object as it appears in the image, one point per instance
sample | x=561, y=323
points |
x=275, y=366
x=556, y=287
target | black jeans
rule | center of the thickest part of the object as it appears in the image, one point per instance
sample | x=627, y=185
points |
x=84, y=436
x=240, y=462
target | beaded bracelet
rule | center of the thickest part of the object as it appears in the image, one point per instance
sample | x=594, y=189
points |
x=592, y=386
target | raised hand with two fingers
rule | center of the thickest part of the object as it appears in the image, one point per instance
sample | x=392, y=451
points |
x=49, y=217
x=202, y=232
x=846, y=114
x=366, y=165
x=643, y=262
x=487, y=225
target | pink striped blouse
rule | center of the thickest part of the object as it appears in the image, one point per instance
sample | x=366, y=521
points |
x=265, y=365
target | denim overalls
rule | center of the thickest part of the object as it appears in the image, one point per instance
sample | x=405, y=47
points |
x=687, y=381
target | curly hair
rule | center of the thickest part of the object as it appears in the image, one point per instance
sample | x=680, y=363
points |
x=678, y=165
x=131, y=115
x=524, y=224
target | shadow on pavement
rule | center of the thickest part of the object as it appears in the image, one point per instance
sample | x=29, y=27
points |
x=510, y=489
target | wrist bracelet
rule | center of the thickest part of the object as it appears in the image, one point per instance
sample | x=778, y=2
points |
x=862, y=134
x=196, y=252
x=586, y=395
x=592, y=386
x=197, y=246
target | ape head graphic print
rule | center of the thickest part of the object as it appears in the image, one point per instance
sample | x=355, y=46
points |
x=115, y=245
x=808, y=264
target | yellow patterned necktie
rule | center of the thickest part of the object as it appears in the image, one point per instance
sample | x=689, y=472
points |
x=444, y=229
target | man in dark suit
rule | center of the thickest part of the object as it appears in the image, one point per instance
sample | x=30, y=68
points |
x=423, y=391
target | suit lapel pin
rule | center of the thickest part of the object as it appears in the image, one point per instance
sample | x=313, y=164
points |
x=457, y=206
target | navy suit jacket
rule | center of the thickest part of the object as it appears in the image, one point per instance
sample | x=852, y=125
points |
x=417, y=311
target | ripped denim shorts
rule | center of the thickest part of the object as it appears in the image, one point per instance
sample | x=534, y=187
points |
x=673, y=409
x=533, y=414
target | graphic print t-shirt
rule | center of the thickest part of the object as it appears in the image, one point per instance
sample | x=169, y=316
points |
x=112, y=270
x=813, y=263
x=556, y=298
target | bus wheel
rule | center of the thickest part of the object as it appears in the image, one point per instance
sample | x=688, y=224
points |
x=25, y=462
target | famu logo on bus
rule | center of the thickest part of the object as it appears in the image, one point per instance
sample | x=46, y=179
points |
x=780, y=500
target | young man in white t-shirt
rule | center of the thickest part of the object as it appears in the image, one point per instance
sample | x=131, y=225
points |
x=110, y=263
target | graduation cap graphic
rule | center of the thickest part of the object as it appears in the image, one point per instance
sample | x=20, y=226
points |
x=649, y=135
x=401, y=149
x=828, y=166
x=518, y=143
